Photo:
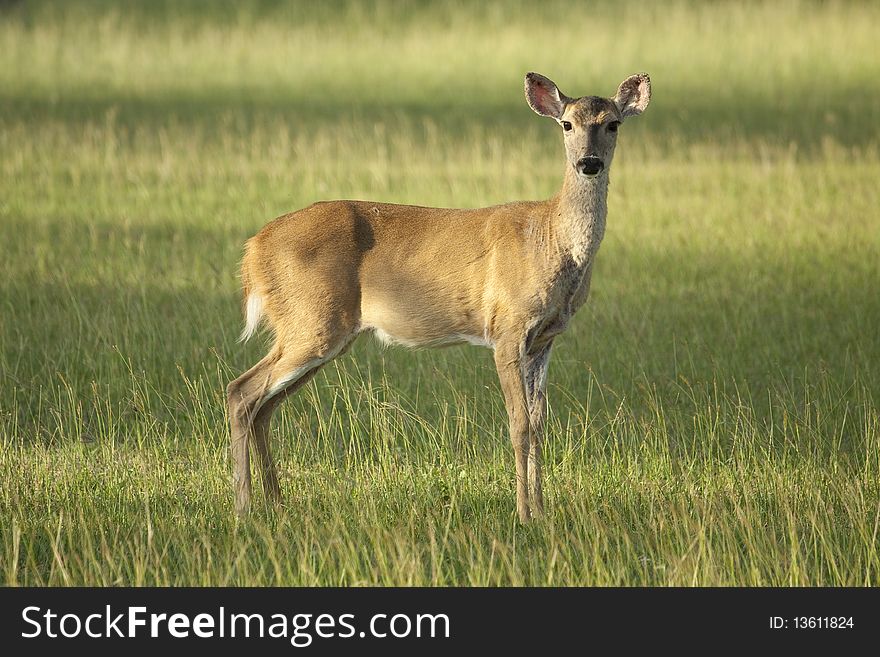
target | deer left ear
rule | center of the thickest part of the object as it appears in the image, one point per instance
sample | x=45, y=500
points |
x=544, y=96
x=633, y=95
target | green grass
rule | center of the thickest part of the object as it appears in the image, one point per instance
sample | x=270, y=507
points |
x=714, y=407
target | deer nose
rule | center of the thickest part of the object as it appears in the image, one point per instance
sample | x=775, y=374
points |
x=590, y=165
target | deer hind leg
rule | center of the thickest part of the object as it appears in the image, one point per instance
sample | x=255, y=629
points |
x=252, y=399
x=261, y=426
x=243, y=397
x=260, y=436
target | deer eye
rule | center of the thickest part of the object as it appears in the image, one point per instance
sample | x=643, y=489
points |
x=566, y=126
x=612, y=127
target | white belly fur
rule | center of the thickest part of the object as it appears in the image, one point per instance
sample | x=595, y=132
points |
x=456, y=338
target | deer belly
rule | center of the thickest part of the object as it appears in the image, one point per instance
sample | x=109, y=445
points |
x=420, y=325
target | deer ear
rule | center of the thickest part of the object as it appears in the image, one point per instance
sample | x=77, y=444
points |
x=544, y=96
x=633, y=95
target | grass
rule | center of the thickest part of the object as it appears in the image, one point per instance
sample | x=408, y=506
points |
x=714, y=407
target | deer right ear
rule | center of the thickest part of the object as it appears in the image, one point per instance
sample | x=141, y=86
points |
x=633, y=95
x=544, y=96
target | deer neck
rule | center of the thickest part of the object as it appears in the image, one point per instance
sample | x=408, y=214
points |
x=578, y=215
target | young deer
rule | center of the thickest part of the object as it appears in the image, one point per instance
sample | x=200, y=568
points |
x=507, y=277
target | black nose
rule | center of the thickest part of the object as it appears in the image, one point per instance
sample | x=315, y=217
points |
x=590, y=166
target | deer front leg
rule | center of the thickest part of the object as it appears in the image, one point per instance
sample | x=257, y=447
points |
x=536, y=388
x=509, y=363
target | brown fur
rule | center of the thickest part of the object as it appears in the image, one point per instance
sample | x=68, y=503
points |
x=509, y=276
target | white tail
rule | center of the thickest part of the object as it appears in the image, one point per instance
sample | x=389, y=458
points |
x=253, y=315
x=508, y=277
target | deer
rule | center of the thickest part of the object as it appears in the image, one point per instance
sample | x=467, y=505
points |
x=508, y=277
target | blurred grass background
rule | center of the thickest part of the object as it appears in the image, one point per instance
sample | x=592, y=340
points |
x=714, y=414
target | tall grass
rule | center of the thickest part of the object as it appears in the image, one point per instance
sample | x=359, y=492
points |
x=714, y=414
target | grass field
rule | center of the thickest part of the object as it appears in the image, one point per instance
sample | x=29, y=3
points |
x=713, y=409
